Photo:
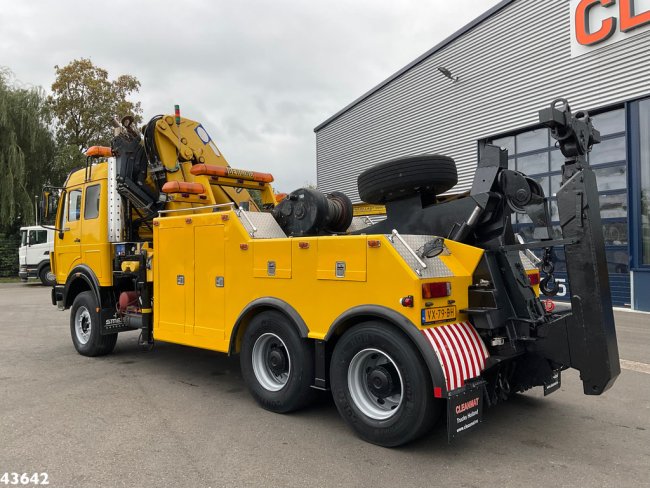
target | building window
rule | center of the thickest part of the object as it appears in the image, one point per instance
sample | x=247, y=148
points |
x=644, y=160
x=533, y=152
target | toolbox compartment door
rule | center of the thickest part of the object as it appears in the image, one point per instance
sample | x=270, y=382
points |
x=272, y=258
x=175, y=281
x=342, y=258
x=209, y=282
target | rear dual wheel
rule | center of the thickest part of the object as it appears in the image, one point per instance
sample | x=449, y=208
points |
x=381, y=386
x=276, y=363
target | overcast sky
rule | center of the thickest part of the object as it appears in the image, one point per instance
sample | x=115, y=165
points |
x=259, y=75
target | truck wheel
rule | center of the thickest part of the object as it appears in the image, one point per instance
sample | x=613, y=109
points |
x=276, y=363
x=381, y=386
x=84, y=327
x=406, y=176
x=46, y=276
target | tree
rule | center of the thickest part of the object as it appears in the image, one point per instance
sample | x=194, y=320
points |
x=84, y=101
x=26, y=150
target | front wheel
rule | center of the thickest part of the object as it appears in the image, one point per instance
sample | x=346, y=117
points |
x=381, y=386
x=46, y=276
x=276, y=363
x=84, y=327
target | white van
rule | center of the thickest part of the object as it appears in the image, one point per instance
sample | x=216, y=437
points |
x=34, y=254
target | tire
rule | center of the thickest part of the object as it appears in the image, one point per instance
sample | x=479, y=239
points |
x=84, y=327
x=46, y=276
x=276, y=363
x=398, y=406
x=406, y=176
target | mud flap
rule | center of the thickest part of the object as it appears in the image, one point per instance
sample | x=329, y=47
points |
x=465, y=409
x=110, y=322
x=553, y=383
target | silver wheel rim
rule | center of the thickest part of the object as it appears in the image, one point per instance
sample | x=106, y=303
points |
x=271, y=362
x=82, y=324
x=364, y=365
x=50, y=277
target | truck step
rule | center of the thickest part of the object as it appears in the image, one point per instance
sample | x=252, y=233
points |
x=478, y=310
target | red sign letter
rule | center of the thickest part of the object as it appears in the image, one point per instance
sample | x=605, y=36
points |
x=629, y=20
x=583, y=32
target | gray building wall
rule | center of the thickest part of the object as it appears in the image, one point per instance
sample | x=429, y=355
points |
x=510, y=65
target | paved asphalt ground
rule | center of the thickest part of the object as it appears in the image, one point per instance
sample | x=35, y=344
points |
x=181, y=417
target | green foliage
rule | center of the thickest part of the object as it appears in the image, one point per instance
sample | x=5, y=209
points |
x=9, y=254
x=81, y=107
x=84, y=102
x=26, y=150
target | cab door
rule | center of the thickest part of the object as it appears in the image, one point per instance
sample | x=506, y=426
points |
x=67, y=243
x=95, y=248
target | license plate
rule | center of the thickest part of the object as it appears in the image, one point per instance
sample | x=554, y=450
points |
x=438, y=314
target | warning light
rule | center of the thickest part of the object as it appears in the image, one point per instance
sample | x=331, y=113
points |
x=436, y=290
x=177, y=114
x=407, y=301
x=534, y=278
x=99, y=151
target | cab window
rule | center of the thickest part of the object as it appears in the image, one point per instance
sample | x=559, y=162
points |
x=91, y=205
x=74, y=205
x=23, y=237
x=37, y=237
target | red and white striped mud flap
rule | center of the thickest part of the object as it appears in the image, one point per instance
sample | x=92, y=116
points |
x=460, y=350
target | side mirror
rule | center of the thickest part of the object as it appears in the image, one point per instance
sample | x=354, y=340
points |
x=49, y=202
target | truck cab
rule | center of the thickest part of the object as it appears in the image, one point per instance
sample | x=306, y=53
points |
x=36, y=243
x=82, y=236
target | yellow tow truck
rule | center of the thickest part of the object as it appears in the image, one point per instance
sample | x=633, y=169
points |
x=434, y=310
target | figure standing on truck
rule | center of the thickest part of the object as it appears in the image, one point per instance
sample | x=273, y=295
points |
x=434, y=310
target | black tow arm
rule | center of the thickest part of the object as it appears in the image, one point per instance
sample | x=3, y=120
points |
x=587, y=336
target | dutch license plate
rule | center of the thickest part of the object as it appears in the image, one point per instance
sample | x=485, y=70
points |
x=438, y=314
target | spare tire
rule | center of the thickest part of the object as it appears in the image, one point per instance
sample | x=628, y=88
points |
x=405, y=176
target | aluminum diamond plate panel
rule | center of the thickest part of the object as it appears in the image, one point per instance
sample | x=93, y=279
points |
x=435, y=267
x=265, y=225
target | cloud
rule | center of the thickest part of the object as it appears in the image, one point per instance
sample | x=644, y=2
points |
x=259, y=75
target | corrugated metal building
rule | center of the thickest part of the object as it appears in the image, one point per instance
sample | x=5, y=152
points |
x=510, y=62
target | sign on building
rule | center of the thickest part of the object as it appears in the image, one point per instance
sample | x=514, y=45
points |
x=599, y=23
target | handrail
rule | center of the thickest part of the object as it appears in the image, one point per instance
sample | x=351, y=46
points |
x=241, y=212
x=413, y=253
